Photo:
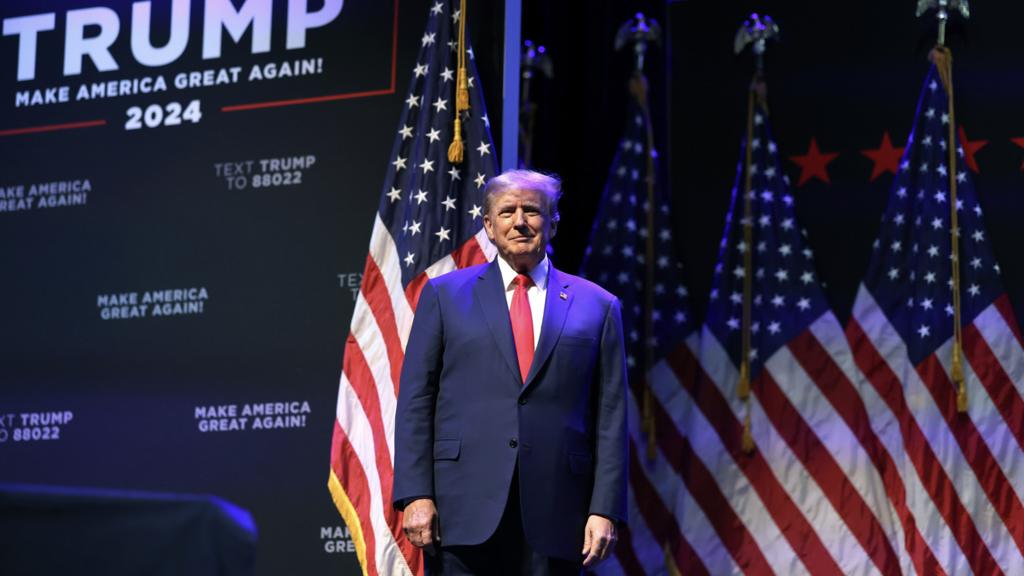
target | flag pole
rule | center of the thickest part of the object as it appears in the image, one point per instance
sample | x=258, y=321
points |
x=640, y=31
x=755, y=31
x=942, y=57
x=510, y=86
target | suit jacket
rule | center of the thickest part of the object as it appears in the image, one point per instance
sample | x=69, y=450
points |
x=465, y=417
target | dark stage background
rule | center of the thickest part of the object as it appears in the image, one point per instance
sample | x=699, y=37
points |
x=267, y=272
x=268, y=258
x=842, y=74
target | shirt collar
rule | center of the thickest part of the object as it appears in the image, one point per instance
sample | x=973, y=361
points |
x=539, y=273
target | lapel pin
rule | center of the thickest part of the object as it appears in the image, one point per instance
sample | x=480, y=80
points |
x=563, y=295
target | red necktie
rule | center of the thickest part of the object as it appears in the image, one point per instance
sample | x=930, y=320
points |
x=522, y=323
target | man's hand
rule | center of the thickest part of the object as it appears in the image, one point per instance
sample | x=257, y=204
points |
x=420, y=523
x=599, y=539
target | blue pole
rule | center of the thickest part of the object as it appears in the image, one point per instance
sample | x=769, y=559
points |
x=510, y=90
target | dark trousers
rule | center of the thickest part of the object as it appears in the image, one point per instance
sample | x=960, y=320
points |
x=505, y=553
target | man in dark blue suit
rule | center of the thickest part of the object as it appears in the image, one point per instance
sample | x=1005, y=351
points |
x=510, y=434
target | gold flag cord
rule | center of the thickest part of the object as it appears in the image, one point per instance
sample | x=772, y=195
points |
x=743, y=386
x=638, y=89
x=456, y=150
x=943, y=60
x=462, y=92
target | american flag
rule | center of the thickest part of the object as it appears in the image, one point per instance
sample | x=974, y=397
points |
x=810, y=497
x=616, y=259
x=429, y=222
x=954, y=479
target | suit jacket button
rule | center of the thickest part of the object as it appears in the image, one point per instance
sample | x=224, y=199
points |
x=522, y=401
x=512, y=443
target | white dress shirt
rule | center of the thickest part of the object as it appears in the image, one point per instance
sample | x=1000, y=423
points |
x=535, y=294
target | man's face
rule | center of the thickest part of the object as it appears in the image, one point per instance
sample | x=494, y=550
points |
x=520, y=227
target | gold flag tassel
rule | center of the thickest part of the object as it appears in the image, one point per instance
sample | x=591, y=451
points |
x=462, y=91
x=456, y=150
x=943, y=60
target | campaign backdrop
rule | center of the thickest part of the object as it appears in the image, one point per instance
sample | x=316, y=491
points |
x=186, y=195
x=187, y=191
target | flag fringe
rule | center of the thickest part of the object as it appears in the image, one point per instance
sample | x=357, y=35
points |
x=348, y=513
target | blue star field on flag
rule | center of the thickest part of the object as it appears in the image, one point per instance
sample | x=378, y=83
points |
x=910, y=275
x=430, y=206
x=615, y=258
x=786, y=296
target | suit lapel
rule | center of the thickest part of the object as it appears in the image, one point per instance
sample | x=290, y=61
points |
x=490, y=295
x=555, y=310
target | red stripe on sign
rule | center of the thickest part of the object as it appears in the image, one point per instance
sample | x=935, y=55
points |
x=1006, y=311
x=625, y=553
x=375, y=291
x=309, y=100
x=52, y=127
x=361, y=379
x=332, y=97
x=930, y=472
x=661, y=522
x=999, y=491
x=817, y=460
x=394, y=48
x=702, y=484
x=847, y=402
x=349, y=469
x=996, y=381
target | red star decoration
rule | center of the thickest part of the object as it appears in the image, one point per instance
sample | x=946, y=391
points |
x=970, y=149
x=885, y=157
x=1019, y=142
x=814, y=163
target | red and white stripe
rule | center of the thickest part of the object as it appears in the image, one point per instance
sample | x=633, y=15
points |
x=962, y=472
x=663, y=517
x=862, y=465
x=817, y=504
x=362, y=456
x=809, y=500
